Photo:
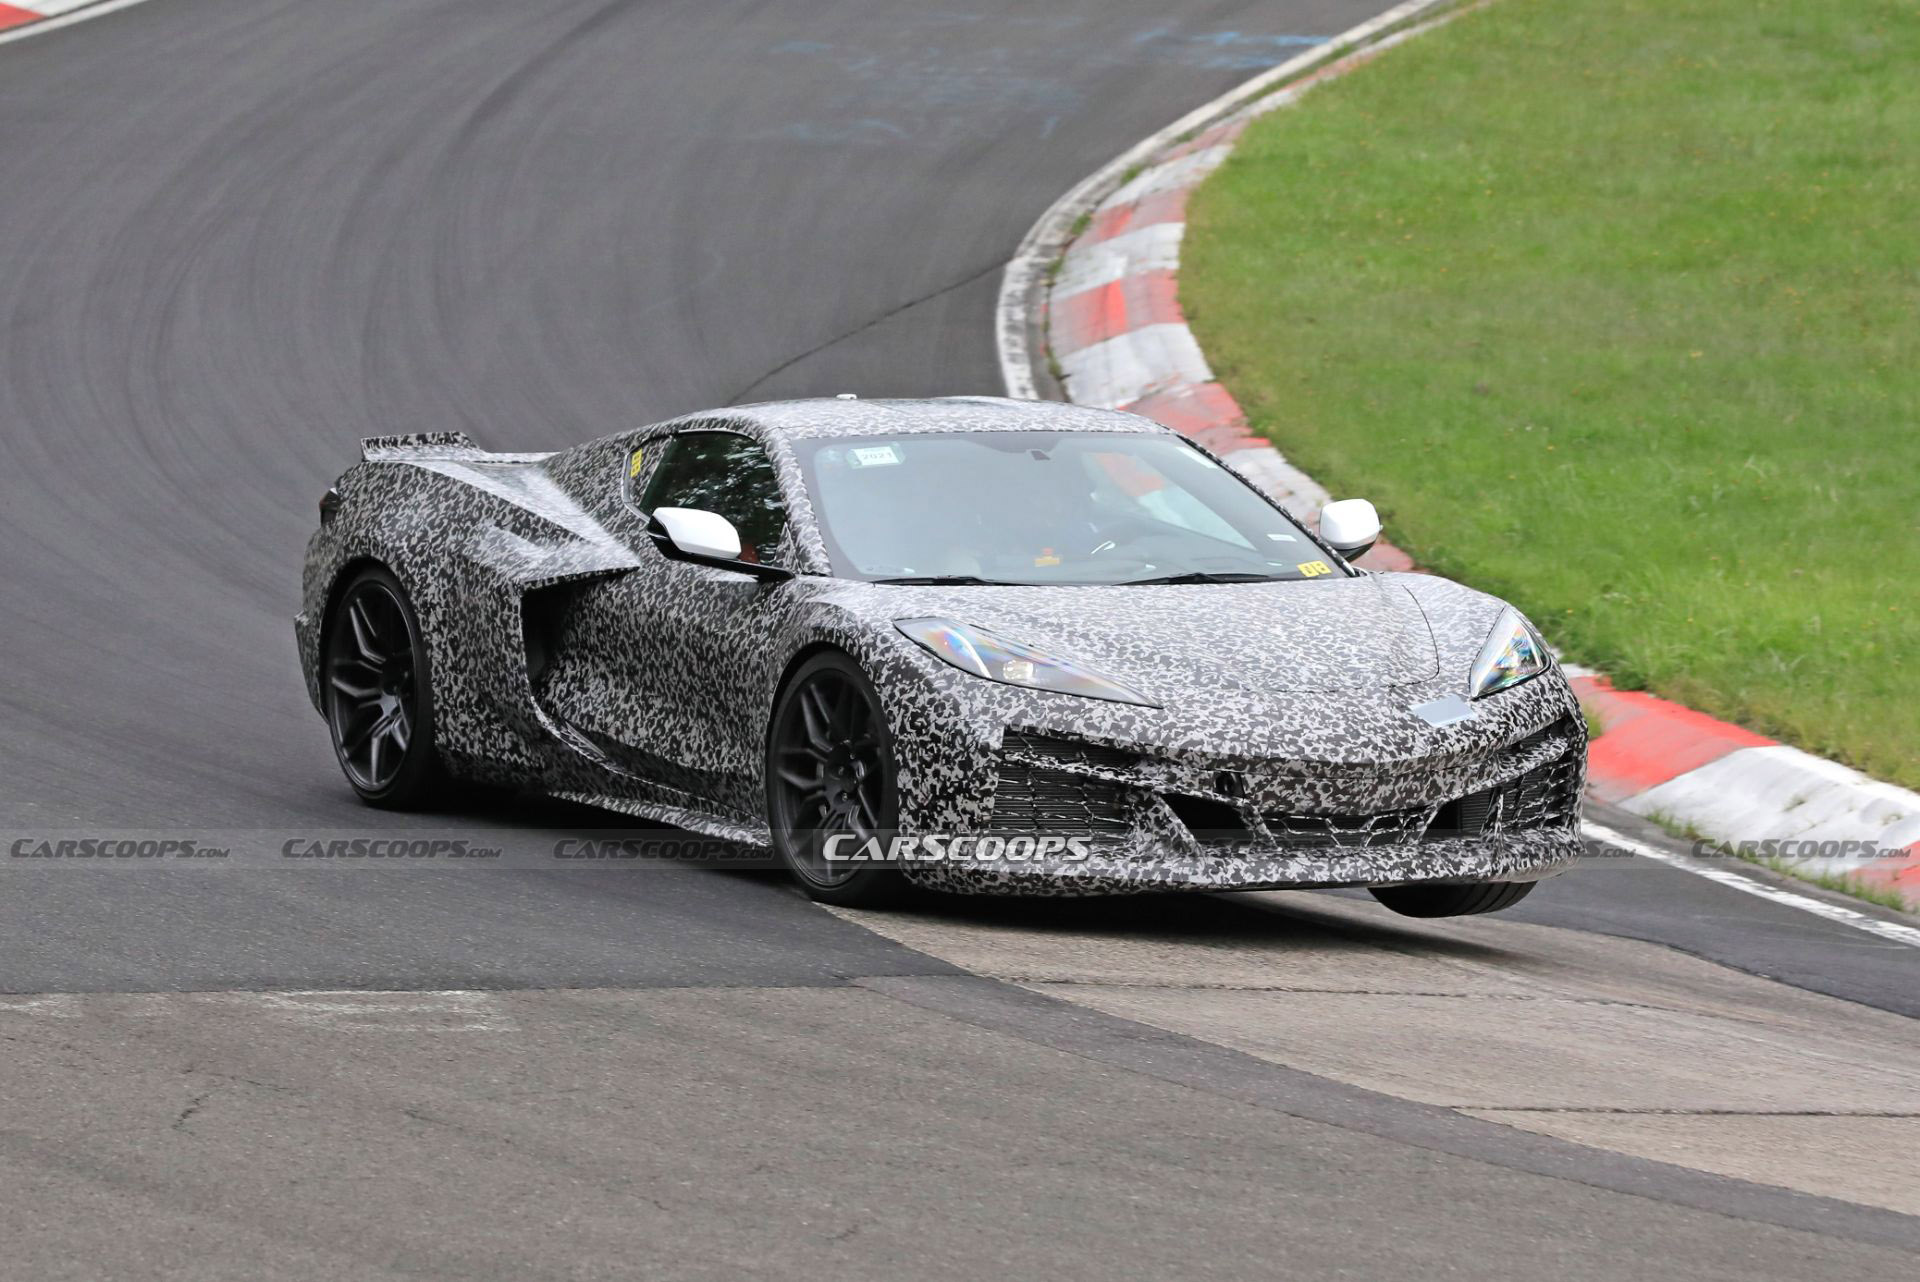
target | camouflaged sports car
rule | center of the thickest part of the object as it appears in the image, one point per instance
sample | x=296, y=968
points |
x=969, y=644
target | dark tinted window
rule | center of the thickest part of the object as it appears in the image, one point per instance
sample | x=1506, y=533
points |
x=725, y=473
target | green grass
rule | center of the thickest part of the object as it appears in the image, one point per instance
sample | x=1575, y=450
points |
x=1613, y=306
x=1840, y=883
x=1685, y=829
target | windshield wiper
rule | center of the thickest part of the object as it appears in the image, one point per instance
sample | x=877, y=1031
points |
x=949, y=579
x=1207, y=576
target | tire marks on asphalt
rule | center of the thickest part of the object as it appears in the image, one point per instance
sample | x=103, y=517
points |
x=336, y=1010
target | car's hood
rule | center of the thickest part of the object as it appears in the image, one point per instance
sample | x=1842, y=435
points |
x=1168, y=640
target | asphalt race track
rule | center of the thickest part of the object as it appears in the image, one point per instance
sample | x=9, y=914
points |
x=238, y=235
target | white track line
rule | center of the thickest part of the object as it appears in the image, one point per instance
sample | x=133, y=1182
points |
x=66, y=19
x=1890, y=930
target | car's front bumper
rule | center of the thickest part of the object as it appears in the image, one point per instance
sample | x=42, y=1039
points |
x=1494, y=798
x=1524, y=856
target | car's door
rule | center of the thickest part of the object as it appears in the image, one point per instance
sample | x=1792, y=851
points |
x=687, y=677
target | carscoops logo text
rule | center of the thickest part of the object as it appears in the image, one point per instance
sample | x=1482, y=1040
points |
x=115, y=848
x=934, y=848
x=387, y=848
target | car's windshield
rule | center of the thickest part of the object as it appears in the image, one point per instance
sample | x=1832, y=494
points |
x=1046, y=507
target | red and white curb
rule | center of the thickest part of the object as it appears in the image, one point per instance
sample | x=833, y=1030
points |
x=1094, y=287
x=1659, y=759
x=20, y=18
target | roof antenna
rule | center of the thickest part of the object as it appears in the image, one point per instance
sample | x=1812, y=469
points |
x=845, y=396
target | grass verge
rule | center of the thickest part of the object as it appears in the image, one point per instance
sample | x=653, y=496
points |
x=1840, y=883
x=1613, y=306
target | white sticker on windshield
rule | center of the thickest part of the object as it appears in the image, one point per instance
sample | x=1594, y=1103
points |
x=1283, y=538
x=873, y=456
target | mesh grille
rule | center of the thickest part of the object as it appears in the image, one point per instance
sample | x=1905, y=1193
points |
x=1039, y=799
x=1543, y=797
x=1043, y=789
x=1387, y=828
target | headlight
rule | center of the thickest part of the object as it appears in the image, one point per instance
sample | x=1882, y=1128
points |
x=1512, y=653
x=986, y=655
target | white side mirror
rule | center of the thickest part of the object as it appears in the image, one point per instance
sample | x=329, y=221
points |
x=696, y=532
x=1351, y=526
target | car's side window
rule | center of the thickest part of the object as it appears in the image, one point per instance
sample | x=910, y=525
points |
x=727, y=473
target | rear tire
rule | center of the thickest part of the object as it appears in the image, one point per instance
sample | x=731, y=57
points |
x=377, y=693
x=1452, y=900
x=830, y=772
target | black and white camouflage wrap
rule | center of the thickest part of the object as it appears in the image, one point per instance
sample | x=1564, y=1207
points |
x=570, y=657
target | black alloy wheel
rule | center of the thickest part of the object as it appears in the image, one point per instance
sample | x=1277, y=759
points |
x=378, y=700
x=830, y=774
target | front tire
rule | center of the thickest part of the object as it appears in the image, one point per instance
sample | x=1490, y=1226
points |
x=377, y=693
x=1452, y=900
x=830, y=772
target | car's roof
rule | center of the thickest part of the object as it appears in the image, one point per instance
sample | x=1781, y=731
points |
x=851, y=417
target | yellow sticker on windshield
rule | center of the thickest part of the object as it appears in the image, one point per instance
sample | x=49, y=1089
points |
x=633, y=464
x=1314, y=569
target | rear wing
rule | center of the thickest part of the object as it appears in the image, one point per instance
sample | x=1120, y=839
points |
x=434, y=447
x=448, y=446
